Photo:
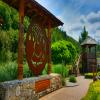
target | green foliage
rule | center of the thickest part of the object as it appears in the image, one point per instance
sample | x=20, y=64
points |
x=9, y=71
x=72, y=79
x=63, y=52
x=60, y=69
x=58, y=34
x=84, y=35
x=26, y=71
x=11, y=17
x=8, y=45
x=45, y=71
x=5, y=54
x=93, y=92
x=9, y=32
x=75, y=43
x=89, y=75
x=5, y=14
x=98, y=73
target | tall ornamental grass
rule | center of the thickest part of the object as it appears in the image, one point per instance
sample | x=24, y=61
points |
x=9, y=71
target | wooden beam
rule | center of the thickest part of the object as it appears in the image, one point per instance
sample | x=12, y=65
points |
x=21, y=40
x=49, y=47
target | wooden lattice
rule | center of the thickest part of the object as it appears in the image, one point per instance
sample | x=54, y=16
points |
x=36, y=47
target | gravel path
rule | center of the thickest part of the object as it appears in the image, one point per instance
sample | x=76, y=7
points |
x=70, y=93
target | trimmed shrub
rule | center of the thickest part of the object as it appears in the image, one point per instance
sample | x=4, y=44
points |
x=72, y=79
x=89, y=75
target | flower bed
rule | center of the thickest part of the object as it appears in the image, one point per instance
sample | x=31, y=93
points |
x=93, y=92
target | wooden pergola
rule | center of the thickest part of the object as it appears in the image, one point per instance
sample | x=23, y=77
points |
x=44, y=18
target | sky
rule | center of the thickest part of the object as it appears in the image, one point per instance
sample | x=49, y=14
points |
x=75, y=14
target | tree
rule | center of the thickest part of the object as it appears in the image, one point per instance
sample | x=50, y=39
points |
x=5, y=14
x=75, y=43
x=83, y=36
x=58, y=34
x=63, y=52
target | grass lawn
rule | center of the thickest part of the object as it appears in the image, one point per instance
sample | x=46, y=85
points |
x=93, y=92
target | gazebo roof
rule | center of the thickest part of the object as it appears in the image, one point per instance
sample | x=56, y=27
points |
x=89, y=41
x=33, y=8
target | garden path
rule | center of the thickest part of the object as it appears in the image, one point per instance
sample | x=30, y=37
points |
x=70, y=93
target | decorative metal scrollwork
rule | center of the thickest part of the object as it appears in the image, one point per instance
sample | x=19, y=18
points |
x=36, y=47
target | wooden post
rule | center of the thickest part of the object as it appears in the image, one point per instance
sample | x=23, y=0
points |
x=87, y=63
x=21, y=40
x=49, y=47
x=96, y=59
x=95, y=69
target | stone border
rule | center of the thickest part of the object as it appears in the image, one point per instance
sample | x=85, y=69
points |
x=25, y=89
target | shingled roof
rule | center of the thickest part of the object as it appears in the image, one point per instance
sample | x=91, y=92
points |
x=89, y=41
x=34, y=8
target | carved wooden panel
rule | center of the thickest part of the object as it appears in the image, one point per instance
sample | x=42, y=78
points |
x=36, y=47
x=42, y=85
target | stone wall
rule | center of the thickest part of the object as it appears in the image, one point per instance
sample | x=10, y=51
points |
x=26, y=89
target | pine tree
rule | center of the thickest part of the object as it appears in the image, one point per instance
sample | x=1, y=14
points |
x=83, y=36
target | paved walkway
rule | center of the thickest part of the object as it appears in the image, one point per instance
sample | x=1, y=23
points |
x=70, y=93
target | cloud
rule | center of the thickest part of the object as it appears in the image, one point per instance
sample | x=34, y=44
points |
x=76, y=28
x=98, y=28
x=91, y=21
x=93, y=17
x=76, y=14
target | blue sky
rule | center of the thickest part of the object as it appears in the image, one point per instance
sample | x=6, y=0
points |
x=76, y=14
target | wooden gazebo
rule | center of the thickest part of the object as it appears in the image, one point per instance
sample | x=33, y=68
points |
x=89, y=62
x=38, y=39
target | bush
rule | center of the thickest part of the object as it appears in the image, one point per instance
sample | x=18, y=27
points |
x=72, y=79
x=89, y=75
x=98, y=73
x=9, y=72
x=60, y=69
x=63, y=51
